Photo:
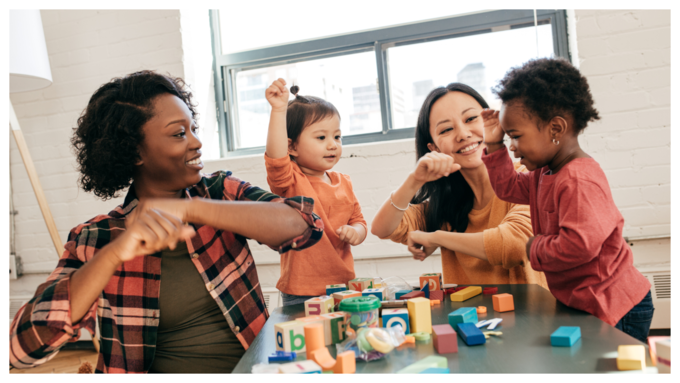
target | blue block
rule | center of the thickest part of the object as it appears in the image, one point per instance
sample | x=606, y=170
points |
x=436, y=370
x=426, y=290
x=470, y=334
x=393, y=317
x=282, y=356
x=565, y=336
x=463, y=315
x=399, y=293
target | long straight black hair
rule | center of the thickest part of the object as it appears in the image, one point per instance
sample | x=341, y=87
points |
x=448, y=199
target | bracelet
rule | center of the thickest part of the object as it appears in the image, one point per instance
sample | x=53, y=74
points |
x=494, y=143
x=395, y=206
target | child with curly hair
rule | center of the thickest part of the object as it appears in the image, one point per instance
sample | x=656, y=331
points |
x=303, y=144
x=578, y=230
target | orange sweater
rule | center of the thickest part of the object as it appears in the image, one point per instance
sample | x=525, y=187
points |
x=506, y=227
x=307, y=272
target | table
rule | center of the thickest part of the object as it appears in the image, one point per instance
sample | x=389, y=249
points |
x=524, y=346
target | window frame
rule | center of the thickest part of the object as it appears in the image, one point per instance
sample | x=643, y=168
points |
x=225, y=66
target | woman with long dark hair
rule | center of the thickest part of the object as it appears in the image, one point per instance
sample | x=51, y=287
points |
x=448, y=201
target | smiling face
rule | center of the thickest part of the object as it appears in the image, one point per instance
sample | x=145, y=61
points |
x=170, y=153
x=319, y=146
x=533, y=146
x=457, y=129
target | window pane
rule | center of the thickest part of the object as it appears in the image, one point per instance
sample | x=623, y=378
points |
x=245, y=25
x=348, y=82
x=479, y=61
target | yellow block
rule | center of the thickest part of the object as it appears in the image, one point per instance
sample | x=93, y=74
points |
x=631, y=358
x=466, y=293
x=419, y=315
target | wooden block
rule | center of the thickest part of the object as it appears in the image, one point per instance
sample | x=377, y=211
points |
x=378, y=293
x=432, y=361
x=319, y=305
x=393, y=317
x=444, y=339
x=420, y=315
x=330, y=289
x=663, y=356
x=481, y=309
x=345, y=363
x=360, y=284
x=300, y=367
x=565, y=336
x=323, y=358
x=413, y=294
x=290, y=336
x=314, y=337
x=340, y=295
x=437, y=295
x=335, y=325
x=490, y=290
x=463, y=315
x=401, y=293
x=433, y=280
x=470, y=334
x=435, y=370
x=503, y=302
x=631, y=358
x=651, y=342
x=466, y=293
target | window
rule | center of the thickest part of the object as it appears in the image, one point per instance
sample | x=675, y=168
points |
x=377, y=79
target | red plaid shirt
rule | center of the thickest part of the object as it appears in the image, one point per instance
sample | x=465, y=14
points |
x=128, y=307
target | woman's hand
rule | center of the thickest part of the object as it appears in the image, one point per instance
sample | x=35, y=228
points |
x=348, y=234
x=433, y=166
x=277, y=95
x=421, y=244
x=492, y=126
x=176, y=207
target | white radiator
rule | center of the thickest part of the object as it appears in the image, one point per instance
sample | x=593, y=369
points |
x=272, y=298
x=661, y=296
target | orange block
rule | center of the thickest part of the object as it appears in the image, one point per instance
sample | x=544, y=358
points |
x=481, y=310
x=503, y=302
x=434, y=302
x=345, y=363
x=323, y=358
x=314, y=338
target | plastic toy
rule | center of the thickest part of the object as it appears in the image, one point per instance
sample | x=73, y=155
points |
x=437, y=295
x=631, y=358
x=413, y=294
x=481, y=309
x=565, y=336
x=487, y=334
x=432, y=280
x=317, y=351
x=335, y=325
x=420, y=315
x=282, y=356
x=466, y=293
x=432, y=361
x=378, y=293
x=330, y=289
x=394, y=317
x=399, y=294
x=490, y=290
x=463, y=315
x=319, y=305
x=444, y=339
x=360, y=284
x=340, y=295
x=290, y=336
x=422, y=336
x=372, y=343
x=300, y=367
x=503, y=302
x=470, y=334
x=362, y=311
x=492, y=323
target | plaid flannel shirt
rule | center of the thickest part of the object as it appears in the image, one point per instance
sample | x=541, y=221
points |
x=127, y=309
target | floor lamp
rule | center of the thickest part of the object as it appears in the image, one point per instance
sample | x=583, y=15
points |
x=29, y=69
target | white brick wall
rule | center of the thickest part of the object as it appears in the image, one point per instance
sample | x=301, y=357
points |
x=624, y=54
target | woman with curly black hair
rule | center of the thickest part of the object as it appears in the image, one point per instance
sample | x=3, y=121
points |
x=452, y=204
x=578, y=230
x=176, y=225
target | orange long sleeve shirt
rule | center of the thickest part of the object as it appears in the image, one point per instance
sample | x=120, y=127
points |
x=307, y=272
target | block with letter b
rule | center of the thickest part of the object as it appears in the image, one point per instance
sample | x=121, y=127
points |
x=434, y=280
x=360, y=284
x=334, y=325
x=393, y=317
x=319, y=305
x=290, y=336
x=378, y=293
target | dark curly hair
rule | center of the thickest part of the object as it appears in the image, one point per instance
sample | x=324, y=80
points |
x=548, y=88
x=106, y=141
x=304, y=111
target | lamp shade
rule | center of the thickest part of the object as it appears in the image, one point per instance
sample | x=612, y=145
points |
x=29, y=64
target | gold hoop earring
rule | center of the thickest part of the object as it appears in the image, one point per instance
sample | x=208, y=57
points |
x=555, y=142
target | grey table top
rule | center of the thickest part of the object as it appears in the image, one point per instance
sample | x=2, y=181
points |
x=524, y=346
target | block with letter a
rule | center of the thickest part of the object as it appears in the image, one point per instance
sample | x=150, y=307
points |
x=290, y=336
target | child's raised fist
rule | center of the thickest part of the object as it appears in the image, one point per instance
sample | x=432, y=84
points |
x=348, y=234
x=277, y=95
x=433, y=166
x=492, y=127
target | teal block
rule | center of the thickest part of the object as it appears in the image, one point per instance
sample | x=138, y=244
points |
x=463, y=315
x=335, y=290
x=565, y=336
x=399, y=293
x=378, y=293
x=436, y=370
x=432, y=361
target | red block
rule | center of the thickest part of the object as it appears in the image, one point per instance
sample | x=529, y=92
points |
x=413, y=294
x=444, y=339
x=455, y=289
x=437, y=295
x=490, y=290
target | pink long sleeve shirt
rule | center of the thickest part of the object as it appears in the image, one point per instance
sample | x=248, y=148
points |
x=587, y=263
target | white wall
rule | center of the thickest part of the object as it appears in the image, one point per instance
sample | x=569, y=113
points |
x=624, y=54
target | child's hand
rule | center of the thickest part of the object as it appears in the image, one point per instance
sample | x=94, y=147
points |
x=277, y=95
x=348, y=234
x=420, y=244
x=492, y=126
x=433, y=166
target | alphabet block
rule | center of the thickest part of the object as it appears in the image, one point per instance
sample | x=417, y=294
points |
x=663, y=356
x=300, y=367
x=393, y=317
x=466, y=293
x=444, y=339
x=319, y=305
x=360, y=284
x=290, y=336
x=470, y=334
x=420, y=315
x=463, y=315
x=330, y=289
x=631, y=358
x=565, y=336
x=433, y=280
x=340, y=295
x=399, y=294
x=378, y=293
x=335, y=325
x=503, y=302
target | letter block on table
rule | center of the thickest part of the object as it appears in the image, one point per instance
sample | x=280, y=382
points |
x=340, y=295
x=503, y=302
x=335, y=325
x=470, y=334
x=378, y=293
x=420, y=315
x=444, y=339
x=463, y=315
x=360, y=284
x=433, y=280
x=319, y=305
x=290, y=336
x=466, y=293
x=300, y=367
x=393, y=317
x=413, y=294
x=631, y=358
x=565, y=336
x=330, y=289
